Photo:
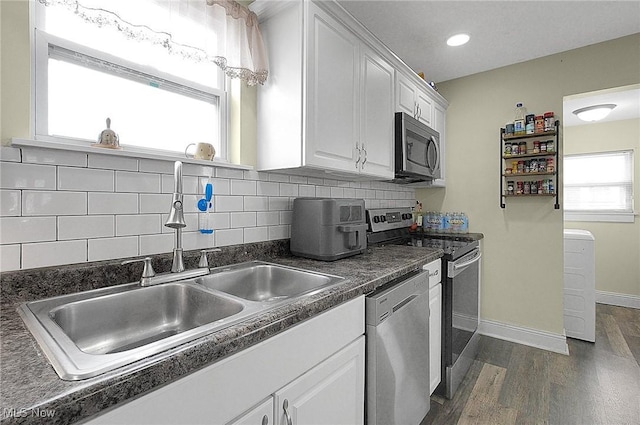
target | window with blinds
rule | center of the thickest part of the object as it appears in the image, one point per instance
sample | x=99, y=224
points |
x=599, y=184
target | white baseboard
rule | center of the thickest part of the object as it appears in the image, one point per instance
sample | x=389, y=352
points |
x=621, y=300
x=526, y=336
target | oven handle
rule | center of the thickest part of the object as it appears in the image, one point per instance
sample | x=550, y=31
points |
x=474, y=259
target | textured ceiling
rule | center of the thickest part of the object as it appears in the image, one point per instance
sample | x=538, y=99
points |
x=502, y=32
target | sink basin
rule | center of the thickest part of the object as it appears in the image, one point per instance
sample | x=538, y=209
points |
x=265, y=282
x=121, y=322
x=89, y=333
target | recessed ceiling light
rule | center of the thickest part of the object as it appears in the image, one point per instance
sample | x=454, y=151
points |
x=595, y=112
x=458, y=39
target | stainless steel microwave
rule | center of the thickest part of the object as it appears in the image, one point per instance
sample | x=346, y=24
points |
x=417, y=150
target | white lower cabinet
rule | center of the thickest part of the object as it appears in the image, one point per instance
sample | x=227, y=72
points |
x=332, y=393
x=259, y=415
x=317, y=366
x=435, y=335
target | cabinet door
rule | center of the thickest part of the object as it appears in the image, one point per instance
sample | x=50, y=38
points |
x=376, y=119
x=424, y=106
x=435, y=335
x=260, y=415
x=331, y=93
x=331, y=393
x=405, y=95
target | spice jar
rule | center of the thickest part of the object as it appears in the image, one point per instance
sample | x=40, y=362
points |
x=536, y=147
x=527, y=188
x=514, y=167
x=543, y=147
x=549, y=121
x=520, y=188
x=550, y=146
x=507, y=148
x=539, y=124
x=510, y=188
x=550, y=165
x=522, y=149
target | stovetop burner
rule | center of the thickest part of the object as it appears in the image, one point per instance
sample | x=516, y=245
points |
x=391, y=227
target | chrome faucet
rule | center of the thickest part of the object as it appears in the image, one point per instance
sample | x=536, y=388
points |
x=176, y=219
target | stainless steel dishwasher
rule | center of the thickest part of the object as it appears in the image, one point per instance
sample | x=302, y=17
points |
x=397, y=377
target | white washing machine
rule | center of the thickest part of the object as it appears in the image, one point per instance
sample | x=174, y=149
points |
x=579, y=284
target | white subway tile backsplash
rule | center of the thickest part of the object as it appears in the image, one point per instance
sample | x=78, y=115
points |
x=228, y=203
x=54, y=157
x=10, y=203
x=53, y=253
x=109, y=162
x=323, y=192
x=139, y=224
x=110, y=248
x=288, y=189
x=243, y=187
x=229, y=173
x=15, y=175
x=156, y=166
x=220, y=220
x=256, y=234
x=113, y=203
x=279, y=232
x=229, y=237
x=85, y=179
x=197, y=240
x=117, y=207
x=286, y=217
x=156, y=244
x=85, y=227
x=306, y=190
x=337, y=192
x=190, y=185
x=27, y=229
x=155, y=203
x=10, y=154
x=220, y=186
x=268, y=188
x=281, y=178
x=53, y=203
x=270, y=218
x=9, y=257
x=279, y=203
x=127, y=181
x=243, y=219
x=256, y=203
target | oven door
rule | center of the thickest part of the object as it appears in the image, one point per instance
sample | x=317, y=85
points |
x=460, y=320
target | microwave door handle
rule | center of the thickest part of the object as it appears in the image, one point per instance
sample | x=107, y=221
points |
x=428, y=162
x=436, y=147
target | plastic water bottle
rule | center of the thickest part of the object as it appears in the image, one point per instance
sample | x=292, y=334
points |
x=519, y=119
x=465, y=223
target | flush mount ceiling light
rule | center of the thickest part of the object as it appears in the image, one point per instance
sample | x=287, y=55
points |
x=458, y=39
x=595, y=112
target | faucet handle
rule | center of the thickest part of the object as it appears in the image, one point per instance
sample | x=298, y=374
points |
x=204, y=263
x=147, y=271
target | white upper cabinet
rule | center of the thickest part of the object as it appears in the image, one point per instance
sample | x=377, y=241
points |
x=328, y=103
x=414, y=100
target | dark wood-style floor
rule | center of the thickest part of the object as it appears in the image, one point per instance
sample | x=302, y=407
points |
x=598, y=383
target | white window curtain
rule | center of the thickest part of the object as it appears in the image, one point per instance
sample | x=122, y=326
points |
x=219, y=31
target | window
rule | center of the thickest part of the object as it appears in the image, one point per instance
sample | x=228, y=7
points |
x=86, y=73
x=599, y=186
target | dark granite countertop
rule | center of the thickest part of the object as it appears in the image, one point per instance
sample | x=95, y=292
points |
x=30, y=387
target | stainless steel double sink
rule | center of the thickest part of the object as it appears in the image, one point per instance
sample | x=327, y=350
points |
x=89, y=333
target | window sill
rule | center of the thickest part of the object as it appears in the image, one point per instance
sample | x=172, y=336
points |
x=126, y=151
x=599, y=216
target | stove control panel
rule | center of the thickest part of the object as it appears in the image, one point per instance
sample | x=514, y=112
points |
x=388, y=218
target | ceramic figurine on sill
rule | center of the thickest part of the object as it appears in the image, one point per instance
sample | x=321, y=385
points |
x=108, y=138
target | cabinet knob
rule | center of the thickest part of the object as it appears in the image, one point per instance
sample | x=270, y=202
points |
x=265, y=420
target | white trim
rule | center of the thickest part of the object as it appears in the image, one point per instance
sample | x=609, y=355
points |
x=621, y=300
x=628, y=217
x=521, y=335
x=127, y=151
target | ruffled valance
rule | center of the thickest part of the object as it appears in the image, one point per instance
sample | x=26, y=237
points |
x=220, y=31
